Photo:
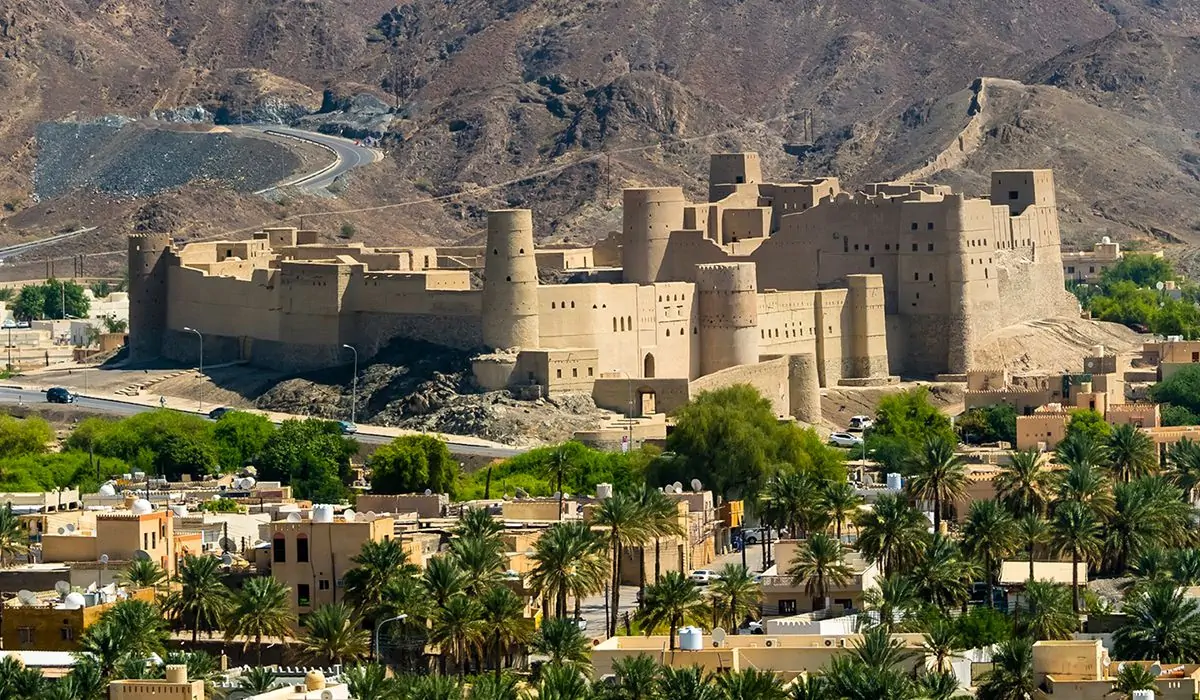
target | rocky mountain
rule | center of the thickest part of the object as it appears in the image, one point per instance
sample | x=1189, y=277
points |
x=556, y=104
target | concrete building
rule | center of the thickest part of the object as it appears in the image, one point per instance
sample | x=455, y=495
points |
x=312, y=555
x=1089, y=265
x=139, y=532
x=175, y=686
x=786, y=286
x=1082, y=670
x=783, y=597
x=56, y=622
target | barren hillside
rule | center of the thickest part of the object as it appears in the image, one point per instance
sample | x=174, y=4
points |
x=557, y=104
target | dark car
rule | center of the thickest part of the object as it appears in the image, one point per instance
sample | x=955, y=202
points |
x=59, y=395
x=216, y=413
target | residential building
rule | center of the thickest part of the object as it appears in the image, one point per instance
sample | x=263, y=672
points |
x=783, y=597
x=1082, y=670
x=56, y=622
x=175, y=686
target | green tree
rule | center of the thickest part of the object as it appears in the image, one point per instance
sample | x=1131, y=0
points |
x=240, y=437
x=1045, y=612
x=257, y=680
x=14, y=538
x=39, y=301
x=840, y=502
x=1181, y=389
x=1025, y=485
x=986, y=424
x=1088, y=486
x=18, y=437
x=891, y=533
x=690, y=683
x=1033, y=531
x=569, y=559
x=751, y=684
x=1131, y=453
x=457, y=629
x=819, y=565
x=940, y=643
x=18, y=682
x=792, y=501
x=563, y=683
x=1076, y=532
x=1161, y=623
x=129, y=629
x=376, y=565
x=143, y=573
x=637, y=677
x=735, y=596
x=903, y=422
x=334, y=633
x=893, y=598
x=627, y=526
x=1131, y=677
x=413, y=463
x=982, y=627
x=1142, y=269
x=312, y=456
x=371, y=682
x=261, y=610
x=942, y=574
x=504, y=623
x=1089, y=422
x=989, y=535
x=674, y=600
x=162, y=442
x=938, y=475
x=565, y=644
x=1011, y=677
x=482, y=561
x=202, y=600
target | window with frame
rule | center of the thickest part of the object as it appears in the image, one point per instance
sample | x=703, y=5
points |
x=303, y=595
x=301, y=548
x=279, y=549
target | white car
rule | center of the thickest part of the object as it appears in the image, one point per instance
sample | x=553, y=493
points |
x=705, y=576
x=860, y=423
x=845, y=440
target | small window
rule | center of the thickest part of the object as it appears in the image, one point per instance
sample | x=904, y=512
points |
x=574, y=371
x=25, y=635
x=622, y=324
x=589, y=371
x=867, y=246
x=929, y=226
x=856, y=246
x=930, y=247
x=572, y=305
x=916, y=277
x=1013, y=194
x=508, y=278
x=887, y=246
x=552, y=306
x=279, y=550
x=303, y=595
x=66, y=633
x=914, y=247
x=630, y=322
x=558, y=374
x=872, y=261
x=1091, y=269
x=914, y=226
x=522, y=251
x=614, y=325
x=930, y=276
x=323, y=584
x=668, y=332
x=301, y=548
x=845, y=245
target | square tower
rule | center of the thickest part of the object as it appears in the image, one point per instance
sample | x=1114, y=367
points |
x=732, y=169
x=1019, y=189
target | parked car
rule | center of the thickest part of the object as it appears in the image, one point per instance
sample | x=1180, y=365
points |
x=59, y=394
x=581, y=623
x=705, y=576
x=754, y=535
x=216, y=413
x=845, y=440
x=860, y=423
x=347, y=427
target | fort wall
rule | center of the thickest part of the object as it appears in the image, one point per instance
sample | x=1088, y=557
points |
x=649, y=216
x=728, y=305
x=510, y=287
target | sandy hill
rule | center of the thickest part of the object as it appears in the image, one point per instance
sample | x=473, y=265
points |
x=557, y=104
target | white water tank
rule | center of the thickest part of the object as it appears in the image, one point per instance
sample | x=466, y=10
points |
x=74, y=601
x=1142, y=695
x=691, y=639
x=179, y=511
x=141, y=507
x=604, y=491
x=322, y=513
x=894, y=482
x=108, y=490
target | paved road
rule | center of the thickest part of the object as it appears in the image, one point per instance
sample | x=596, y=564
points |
x=348, y=156
x=19, y=248
x=125, y=408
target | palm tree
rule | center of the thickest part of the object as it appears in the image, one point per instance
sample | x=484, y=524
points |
x=563, y=641
x=939, y=685
x=819, y=564
x=1045, y=612
x=627, y=527
x=1081, y=449
x=18, y=682
x=892, y=598
x=751, y=684
x=1011, y=677
x=938, y=475
x=443, y=579
x=792, y=500
x=1161, y=623
x=105, y=646
x=375, y=566
x=458, y=628
x=83, y=682
x=569, y=559
x=202, y=599
x=879, y=649
x=1184, y=458
x=690, y=683
x=334, y=633
x=943, y=576
x=481, y=559
x=478, y=522
x=139, y=626
x=850, y=679
x=1024, y=486
x=891, y=533
x=1131, y=453
x=371, y=682
x=1185, y=567
x=637, y=677
x=257, y=680
x=560, y=467
x=1132, y=677
x=504, y=621
x=841, y=503
x=563, y=683
x=14, y=538
x=989, y=535
x=812, y=686
x=143, y=573
x=495, y=688
x=260, y=610
x=674, y=599
x=1087, y=484
x=941, y=641
x=735, y=596
x=1033, y=531
x=661, y=515
x=1136, y=524
x=1076, y=532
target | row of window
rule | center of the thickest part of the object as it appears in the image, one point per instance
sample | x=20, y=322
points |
x=928, y=226
x=623, y=323
x=574, y=372
x=673, y=297
x=886, y=246
x=564, y=305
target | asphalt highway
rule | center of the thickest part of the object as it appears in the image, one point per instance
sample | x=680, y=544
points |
x=348, y=155
x=124, y=408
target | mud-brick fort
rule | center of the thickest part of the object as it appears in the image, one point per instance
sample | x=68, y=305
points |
x=790, y=287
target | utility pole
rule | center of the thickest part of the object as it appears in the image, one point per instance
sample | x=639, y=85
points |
x=353, y=384
x=201, y=337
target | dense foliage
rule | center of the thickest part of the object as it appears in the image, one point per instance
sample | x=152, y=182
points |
x=413, y=463
x=40, y=301
x=1128, y=294
x=988, y=424
x=903, y=422
x=1180, y=397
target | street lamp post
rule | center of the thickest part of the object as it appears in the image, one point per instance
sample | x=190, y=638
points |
x=201, y=337
x=628, y=405
x=353, y=384
x=379, y=628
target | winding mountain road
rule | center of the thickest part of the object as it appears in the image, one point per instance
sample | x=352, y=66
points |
x=348, y=155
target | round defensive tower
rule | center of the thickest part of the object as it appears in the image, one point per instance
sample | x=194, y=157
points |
x=147, y=294
x=510, y=284
x=728, y=301
x=804, y=388
x=650, y=214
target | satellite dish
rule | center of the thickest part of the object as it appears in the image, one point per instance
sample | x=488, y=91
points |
x=69, y=527
x=718, y=635
x=1156, y=670
x=696, y=485
x=104, y=558
x=227, y=544
x=294, y=518
x=326, y=694
x=349, y=515
x=62, y=530
x=26, y=597
x=678, y=487
x=227, y=559
x=428, y=492
x=62, y=588
x=142, y=555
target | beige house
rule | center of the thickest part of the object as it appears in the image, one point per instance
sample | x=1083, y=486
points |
x=1081, y=670
x=121, y=535
x=175, y=686
x=782, y=597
